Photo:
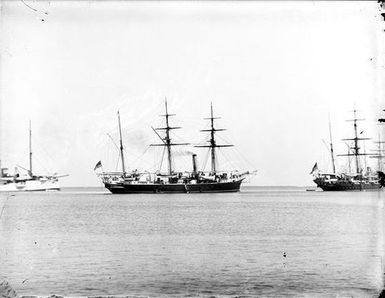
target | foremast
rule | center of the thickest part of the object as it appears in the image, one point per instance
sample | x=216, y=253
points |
x=167, y=139
x=212, y=140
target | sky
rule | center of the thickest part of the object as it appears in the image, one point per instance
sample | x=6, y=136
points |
x=274, y=72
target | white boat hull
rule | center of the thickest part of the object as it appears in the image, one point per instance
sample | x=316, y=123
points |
x=31, y=185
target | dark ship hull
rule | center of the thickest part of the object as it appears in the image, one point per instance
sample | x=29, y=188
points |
x=346, y=185
x=126, y=188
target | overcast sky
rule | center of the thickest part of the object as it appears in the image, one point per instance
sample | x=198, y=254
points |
x=273, y=71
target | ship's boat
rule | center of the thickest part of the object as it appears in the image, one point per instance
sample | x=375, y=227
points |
x=193, y=181
x=361, y=179
x=29, y=181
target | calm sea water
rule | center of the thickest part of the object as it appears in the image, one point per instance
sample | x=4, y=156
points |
x=259, y=242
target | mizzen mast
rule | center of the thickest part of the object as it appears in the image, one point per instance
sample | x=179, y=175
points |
x=121, y=145
x=212, y=140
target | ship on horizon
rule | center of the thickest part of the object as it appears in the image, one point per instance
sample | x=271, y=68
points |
x=29, y=181
x=172, y=181
x=361, y=179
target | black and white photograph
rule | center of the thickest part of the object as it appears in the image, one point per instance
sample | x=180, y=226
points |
x=209, y=149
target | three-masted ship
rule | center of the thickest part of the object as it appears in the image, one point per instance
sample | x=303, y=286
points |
x=193, y=181
x=30, y=181
x=361, y=179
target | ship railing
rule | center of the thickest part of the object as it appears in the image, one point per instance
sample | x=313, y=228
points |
x=329, y=176
x=175, y=174
x=164, y=178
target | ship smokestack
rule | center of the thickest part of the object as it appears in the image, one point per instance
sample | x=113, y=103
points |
x=194, y=161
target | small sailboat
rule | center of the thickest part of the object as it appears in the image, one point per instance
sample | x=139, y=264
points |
x=193, y=181
x=30, y=181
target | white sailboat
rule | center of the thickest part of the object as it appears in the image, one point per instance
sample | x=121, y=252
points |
x=29, y=181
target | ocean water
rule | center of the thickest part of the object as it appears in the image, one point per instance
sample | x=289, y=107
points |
x=269, y=242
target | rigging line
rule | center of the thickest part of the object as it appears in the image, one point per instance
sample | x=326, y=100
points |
x=117, y=163
x=161, y=160
x=202, y=141
x=153, y=167
x=247, y=162
x=135, y=155
x=138, y=158
x=40, y=148
x=39, y=162
x=129, y=153
x=231, y=142
x=228, y=160
x=205, y=160
x=113, y=141
x=124, y=148
x=326, y=145
x=178, y=138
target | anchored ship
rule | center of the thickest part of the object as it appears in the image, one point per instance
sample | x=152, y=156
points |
x=30, y=181
x=172, y=181
x=361, y=179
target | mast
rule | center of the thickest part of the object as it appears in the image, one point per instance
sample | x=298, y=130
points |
x=379, y=156
x=1, y=151
x=121, y=146
x=212, y=141
x=331, y=146
x=356, y=148
x=365, y=163
x=167, y=140
x=30, y=149
x=379, y=153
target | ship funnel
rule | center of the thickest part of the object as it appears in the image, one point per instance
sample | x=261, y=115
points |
x=194, y=161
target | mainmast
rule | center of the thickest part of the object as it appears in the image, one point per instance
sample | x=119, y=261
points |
x=121, y=146
x=30, y=149
x=167, y=140
x=331, y=147
x=356, y=148
x=212, y=141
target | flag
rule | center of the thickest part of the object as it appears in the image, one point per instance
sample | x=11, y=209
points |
x=315, y=168
x=98, y=165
